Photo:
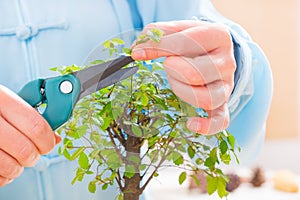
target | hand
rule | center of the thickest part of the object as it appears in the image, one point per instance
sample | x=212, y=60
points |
x=24, y=136
x=200, y=65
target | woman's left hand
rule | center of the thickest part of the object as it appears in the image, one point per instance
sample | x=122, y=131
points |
x=200, y=65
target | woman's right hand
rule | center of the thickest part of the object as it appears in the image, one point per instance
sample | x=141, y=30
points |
x=24, y=136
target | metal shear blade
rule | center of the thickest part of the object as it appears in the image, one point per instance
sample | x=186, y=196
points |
x=102, y=75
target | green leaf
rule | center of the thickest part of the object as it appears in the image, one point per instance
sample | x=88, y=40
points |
x=104, y=186
x=195, y=179
x=129, y=171
x=79, y=176
x=106, y=44
x=221, y=187
x=199, y=161
x=136, y=131
x=81, y=131
x=213, y=155
x=106, y=123
x=223, y=147
x=117, y=111
x=67, y=155
x=144, y=99
x=181, y=148
x=113, y=161
x=134, y=159
x=95, y=137
x=67, y=143
x=173, y=134
x=117, y=41
x=155, y=35
x=225, y=158
x=177, y=158
x=209, y=162
x=96, y=62
x=77, y=153
x=231, y=141
x=142, y=167
x=92, y=187
x=120, y=197
x=182, y=177
x=127, y=51
x=212, y=184
x=191, y=152
x=152, y=141
x=157, y=66
x=83, y=161
x=60, y=150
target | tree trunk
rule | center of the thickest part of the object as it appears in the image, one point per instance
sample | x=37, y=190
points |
x=132, y=189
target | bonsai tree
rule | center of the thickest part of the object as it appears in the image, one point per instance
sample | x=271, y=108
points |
x=123, y=134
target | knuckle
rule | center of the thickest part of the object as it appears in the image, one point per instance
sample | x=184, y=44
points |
x=205, y=103
x=38, y=126
x=229, y=63
x=11, y=170
x=225, y=123
x=226, y=120
x=196, y=77
x=226, y=62
x=27, y=155
x=224, y=35
x=224, y=32
x=3, y=181
x=3, y=95
x=205, y=100
x=195, y=80
x=41, y=131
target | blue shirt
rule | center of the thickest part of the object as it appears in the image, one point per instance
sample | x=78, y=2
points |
x=36, y=35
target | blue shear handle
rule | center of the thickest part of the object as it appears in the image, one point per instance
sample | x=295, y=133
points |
x=31, y=92
x=59, y=105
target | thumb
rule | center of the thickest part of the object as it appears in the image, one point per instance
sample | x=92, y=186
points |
x=149, y=51
x=57, y=138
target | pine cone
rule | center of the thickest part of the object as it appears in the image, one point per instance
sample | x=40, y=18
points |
x=234, y=182
x=258, y=177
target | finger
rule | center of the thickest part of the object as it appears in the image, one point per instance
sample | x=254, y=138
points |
x=27, y=120
x=18, y=146
x=4, y=181
x=9, y=167
x=200, y=70
x=190, y=42
x=217, y=121
x=57, y=138
x=171, y=27
x=208, y=97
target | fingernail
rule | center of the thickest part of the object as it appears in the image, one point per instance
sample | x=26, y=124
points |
x=193, y=125
x=57, y=138
x=11, y=180
x=138, y=54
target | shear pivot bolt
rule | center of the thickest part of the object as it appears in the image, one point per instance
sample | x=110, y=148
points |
x=66, y=87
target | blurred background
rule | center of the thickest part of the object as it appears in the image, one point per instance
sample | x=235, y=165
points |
x=274, y=25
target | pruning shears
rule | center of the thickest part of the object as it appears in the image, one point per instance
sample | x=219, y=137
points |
x=61, y=93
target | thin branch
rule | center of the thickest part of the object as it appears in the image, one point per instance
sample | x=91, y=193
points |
x=111, y=136
x=118, y=179
x=155, y=170
x=116, y=135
